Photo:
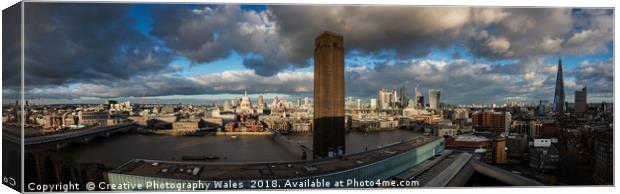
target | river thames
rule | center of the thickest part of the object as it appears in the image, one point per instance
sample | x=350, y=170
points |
x=118, y=149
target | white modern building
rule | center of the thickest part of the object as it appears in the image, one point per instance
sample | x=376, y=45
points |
x=434, y=99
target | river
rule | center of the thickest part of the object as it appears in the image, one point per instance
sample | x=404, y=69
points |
x=118, y=149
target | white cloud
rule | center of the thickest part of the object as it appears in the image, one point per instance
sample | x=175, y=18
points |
x=499, y=45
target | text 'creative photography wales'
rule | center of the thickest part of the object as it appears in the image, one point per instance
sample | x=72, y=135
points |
x=177, y=96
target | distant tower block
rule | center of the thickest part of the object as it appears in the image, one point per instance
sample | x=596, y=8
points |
x=328, y=137
x=581, y=100
x=434, y=99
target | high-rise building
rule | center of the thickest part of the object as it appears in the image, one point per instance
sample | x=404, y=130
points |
x=542, y=107
x=492, y=121
x=581, y=100
x=349, y=103
x=306, y=102
x=419, y=99
x=328, y=134
x=394, y=98
x=261, y=102
x=388, y=98
x=433, y=99
x=373, y=103
x=385, y=98
x=558, y=98
x=403, y=97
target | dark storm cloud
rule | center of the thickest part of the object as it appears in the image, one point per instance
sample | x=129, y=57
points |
x=526, y=36
x=210, y=33
x=163, y=85
x=11, y=46
x=187, y=32
x=283, y=35
x=408, y=31
x=94, y=50
x=86, y=43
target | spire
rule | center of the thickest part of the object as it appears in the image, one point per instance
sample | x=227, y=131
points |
x=558, y=98
x=246, y=93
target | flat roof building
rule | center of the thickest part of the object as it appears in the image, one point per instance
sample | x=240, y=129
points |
x=492, y=121
x=581, y=100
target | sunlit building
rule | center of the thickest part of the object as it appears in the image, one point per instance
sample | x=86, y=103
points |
x=492, y=121
x=93, y=118
x=328, y=137
x=434, y=99
x=419, y=99
x=245, y=105
x=373, y=103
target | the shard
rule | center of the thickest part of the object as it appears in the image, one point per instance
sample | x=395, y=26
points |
x=558, y=98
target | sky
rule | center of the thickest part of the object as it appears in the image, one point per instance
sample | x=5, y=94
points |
x=202, y=52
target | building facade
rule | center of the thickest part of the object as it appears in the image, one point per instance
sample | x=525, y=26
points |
x=361, y=166
x=492, y=121
x=433, y=99
x=93, y=118
x=581, y=100
x=328, y=139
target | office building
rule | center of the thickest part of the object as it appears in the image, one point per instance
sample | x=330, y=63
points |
x=403, y=97
x=434, y=99
x=604, y=158
x=373, y=103
x=492, y=121
x=542, y=107
x=419, y=99
x=306, y=102
x=385, y=98
x=261, y=102
x=581, y=100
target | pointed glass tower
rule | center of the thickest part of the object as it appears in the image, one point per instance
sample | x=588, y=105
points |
x=558, y=98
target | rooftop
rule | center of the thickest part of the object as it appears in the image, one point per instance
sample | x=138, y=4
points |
x=270, y=170
x=473, y=138
x=330, y=33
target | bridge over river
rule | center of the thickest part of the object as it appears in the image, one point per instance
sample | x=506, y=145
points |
x=60, y=140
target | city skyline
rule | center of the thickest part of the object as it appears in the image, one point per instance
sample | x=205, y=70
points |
x=204, y=97
x=483, y=57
